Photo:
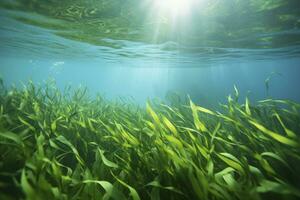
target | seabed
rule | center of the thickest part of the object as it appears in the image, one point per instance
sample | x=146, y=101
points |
x=66, y=145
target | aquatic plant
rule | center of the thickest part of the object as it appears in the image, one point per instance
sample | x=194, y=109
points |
x=66, y=145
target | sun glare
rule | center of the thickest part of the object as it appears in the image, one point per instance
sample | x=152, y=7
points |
x=174, y=8
x=171, y=18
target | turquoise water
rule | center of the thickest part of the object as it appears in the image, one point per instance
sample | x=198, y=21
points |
x=140, y=49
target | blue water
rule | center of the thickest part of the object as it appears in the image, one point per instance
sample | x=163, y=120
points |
x=141, y=71
x=206, y=85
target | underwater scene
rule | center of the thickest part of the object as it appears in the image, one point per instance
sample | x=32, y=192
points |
x=150, y=99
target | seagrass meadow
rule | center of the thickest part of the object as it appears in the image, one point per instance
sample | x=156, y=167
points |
x=67, y=145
